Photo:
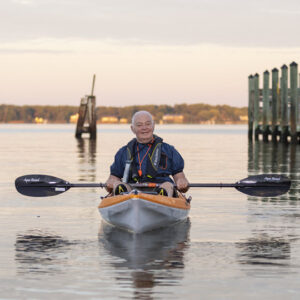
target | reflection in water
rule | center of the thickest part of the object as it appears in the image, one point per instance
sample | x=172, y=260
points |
x=149, y=259
x=265, y=247
x=40, y=252
x=265, y=250
x=87, y=150
x=276, y=158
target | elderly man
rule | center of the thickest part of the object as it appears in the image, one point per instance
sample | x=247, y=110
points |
x=150, y=159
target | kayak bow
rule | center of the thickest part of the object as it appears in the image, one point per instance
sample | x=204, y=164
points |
x=139, y=212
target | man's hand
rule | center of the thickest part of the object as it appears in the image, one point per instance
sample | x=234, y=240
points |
x=111, y=182
x=181, y=182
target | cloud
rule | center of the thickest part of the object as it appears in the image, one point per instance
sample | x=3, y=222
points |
x=23, y=2
x=40, y=46
x=168, y=22
x=30, y=51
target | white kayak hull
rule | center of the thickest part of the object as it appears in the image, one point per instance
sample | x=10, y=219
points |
x=139, y=212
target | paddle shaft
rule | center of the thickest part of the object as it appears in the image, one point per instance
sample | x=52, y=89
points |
x=153, y=185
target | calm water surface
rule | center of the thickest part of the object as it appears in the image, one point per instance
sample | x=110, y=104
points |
x=232, y=246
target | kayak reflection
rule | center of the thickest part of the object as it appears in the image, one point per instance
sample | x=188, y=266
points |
x=154, y=258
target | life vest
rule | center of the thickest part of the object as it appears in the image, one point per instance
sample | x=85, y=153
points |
x=152, y=164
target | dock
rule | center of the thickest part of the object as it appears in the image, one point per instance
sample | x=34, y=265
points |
x=273, y=110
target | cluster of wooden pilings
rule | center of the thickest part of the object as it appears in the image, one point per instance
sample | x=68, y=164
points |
x=86, y=122
x=273, y=112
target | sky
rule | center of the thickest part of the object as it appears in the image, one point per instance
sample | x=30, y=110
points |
x=142, y=51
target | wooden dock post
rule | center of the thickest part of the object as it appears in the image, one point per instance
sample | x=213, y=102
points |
x=266, y=105
x=250, y=107
x=256, y=106
x=284, y=104
x=275, y=104
x=294, y=101
x=86, y=122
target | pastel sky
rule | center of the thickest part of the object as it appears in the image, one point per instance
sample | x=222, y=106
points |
x=142, y=51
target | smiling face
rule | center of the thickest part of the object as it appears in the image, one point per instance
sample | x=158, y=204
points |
x=143, y=127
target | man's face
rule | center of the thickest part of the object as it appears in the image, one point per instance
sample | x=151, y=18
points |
x=143, y=128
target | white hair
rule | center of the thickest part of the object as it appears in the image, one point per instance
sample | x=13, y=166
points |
x=141, y=112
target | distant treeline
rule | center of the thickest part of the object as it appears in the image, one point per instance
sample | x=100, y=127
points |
x=192, y=113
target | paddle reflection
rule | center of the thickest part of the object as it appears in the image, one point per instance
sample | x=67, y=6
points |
x=153, y=258
x=264, y=255
x=263, y=249
x=38, y=252
x=87, y=151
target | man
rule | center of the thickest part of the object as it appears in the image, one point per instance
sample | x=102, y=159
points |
x=150, y=160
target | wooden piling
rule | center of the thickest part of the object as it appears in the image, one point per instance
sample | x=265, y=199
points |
x=284, y=104
x=250, y=105
x=294, y=100
x=275, y=104
x=266, y=105
x=86, y=122
x=256, y=106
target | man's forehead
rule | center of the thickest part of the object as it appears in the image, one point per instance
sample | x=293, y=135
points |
x=142, y=118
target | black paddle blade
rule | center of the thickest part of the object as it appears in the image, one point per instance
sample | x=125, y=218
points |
x=40, y=185
x=264, y=185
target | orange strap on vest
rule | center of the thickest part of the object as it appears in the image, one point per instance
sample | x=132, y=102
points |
x=141, y=161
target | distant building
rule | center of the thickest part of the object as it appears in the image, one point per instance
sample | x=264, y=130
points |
x=172, y=119
x=38, y=120
x=73, y=118
x=244, y=118
x=109, y=120
x=124, y=121
x=208, y=122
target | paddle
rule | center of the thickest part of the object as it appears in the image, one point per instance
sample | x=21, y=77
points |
x=264, y=185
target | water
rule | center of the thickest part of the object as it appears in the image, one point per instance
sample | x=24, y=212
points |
x=233, y=246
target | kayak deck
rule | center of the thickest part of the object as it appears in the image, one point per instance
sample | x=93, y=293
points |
x=139, y=212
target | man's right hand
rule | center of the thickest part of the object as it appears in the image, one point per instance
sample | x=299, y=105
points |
x=111, y=182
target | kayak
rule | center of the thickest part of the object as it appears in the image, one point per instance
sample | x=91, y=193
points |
x=139, y=211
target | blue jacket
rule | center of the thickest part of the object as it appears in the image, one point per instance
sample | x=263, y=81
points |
x=171, y=162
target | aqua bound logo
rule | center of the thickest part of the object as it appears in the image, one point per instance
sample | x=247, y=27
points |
x=272, y=178
x=31, y=180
